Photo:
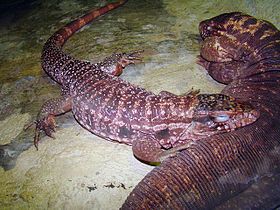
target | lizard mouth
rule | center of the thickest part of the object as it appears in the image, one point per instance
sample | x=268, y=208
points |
x=207, y=29
x=227, y=124
x=204, y=33
x=242, y=120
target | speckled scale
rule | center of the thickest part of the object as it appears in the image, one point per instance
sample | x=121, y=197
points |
x=213, y=170
x=53, y=61
x=74, y=69
x=117, y=110
x=258, y=43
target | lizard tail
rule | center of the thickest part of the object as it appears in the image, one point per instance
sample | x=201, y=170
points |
x=61, y=36
x=53, y=58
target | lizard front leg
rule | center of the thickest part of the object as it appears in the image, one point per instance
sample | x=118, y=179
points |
x=115, y=63
x=45, y=120
x=150, y=148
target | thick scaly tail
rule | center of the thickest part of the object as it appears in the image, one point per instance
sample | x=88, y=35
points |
x=54, y=60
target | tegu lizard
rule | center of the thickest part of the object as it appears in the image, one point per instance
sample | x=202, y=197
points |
x=116, y=110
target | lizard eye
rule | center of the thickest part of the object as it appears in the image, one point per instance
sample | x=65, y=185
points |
x=221, y=118
x=209, y=28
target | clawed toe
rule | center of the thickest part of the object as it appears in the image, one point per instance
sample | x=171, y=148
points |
x=136, y=55
x=47, y=125
x=131, y=58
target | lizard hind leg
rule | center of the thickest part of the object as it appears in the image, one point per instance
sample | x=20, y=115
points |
x=45, y=120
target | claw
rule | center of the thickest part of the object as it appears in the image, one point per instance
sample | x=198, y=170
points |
x=46, y=124
x=131, y=58
x=37, y=132
x=49, y=132
x=27, y=126
x=136, y=55
x=125, y=60
x=36, y=137
x=52, y=124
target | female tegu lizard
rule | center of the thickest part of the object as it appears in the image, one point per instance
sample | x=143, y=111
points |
x=117, y=110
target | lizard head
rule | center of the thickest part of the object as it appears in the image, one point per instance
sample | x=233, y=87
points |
x=220, y=34
x=212, y=114
x=218, y=113
x=244, y=31
x=210, y=28
x=232, y=24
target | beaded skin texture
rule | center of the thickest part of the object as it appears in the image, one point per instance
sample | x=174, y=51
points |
x=220, y=143
x=244, y=53
x=119, y=111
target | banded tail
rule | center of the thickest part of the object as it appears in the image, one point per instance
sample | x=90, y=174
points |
x=63, y=34
x=54, y=60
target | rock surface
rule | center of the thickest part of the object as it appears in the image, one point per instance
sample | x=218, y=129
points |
x=77, y=169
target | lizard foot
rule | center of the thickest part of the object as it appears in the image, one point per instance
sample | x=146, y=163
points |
x=115, y=63
x=46, y=124
x=129, y=58
x=147, y=151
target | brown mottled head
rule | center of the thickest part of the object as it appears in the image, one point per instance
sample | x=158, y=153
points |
x=216, y=113
x=224, y=36
x=238, y=26
x=235, y=24
x=233, y=43
x=213, y=114
x=216, y=26
x=220, y=49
